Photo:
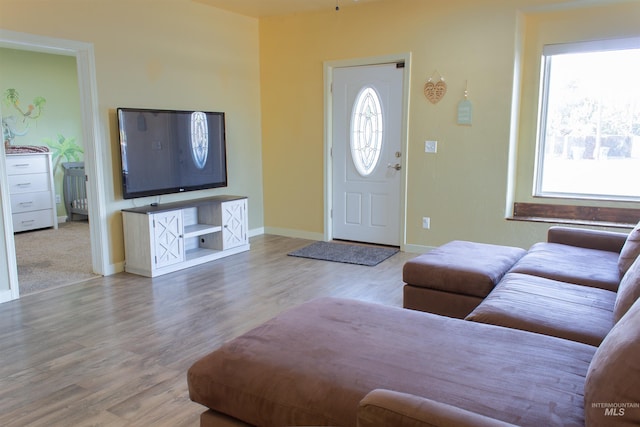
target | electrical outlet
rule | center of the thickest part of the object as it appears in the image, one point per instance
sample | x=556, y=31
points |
x=58, y=199
x=426, y=222
x=431, y=146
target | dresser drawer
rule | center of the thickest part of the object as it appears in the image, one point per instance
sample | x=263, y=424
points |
x=32, y=220
x=29, y=183
x=21, y=164
x=25, y=202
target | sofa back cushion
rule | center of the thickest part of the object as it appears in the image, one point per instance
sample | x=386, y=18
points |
x=628, y=292
x=630, y=250
x=612, y=391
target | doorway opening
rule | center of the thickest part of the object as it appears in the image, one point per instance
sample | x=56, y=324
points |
x=52, y=243
x=83, y=53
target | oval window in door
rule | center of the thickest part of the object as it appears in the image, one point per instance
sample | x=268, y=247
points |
x=366, y=131
x=199, y=139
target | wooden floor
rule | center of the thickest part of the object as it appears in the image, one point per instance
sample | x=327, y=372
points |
x=114, y=351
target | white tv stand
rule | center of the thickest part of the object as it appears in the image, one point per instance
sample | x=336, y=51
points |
x=163, y=238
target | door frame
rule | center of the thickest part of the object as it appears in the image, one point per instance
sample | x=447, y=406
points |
x=93, y=146
x=329, y=66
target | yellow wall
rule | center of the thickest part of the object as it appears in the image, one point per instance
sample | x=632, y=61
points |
x=174, y=54
x=463, y=188
x=54, y=78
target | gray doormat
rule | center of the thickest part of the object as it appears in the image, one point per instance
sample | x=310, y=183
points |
x=346, y=253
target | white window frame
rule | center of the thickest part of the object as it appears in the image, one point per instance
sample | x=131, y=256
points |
x=548, y=52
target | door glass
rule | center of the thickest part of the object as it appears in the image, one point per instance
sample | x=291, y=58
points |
x=366, y=131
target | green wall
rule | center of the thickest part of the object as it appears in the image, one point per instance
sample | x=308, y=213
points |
x=53, y=77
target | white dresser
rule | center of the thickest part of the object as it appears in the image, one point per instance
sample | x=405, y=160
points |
x=33, y=203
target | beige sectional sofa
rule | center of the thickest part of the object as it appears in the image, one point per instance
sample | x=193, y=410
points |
x=568, y=286
x=453, y=279
x=349, y=363
x=574, y=275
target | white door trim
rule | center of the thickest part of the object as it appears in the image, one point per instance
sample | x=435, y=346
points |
x=92, y=137
x=10, y=250
x=329, y=66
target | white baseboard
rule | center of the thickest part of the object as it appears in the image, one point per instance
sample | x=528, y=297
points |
x=118, y=267
x=256, y=232
x=6, y=296
x=417, y=249
x=297, y=234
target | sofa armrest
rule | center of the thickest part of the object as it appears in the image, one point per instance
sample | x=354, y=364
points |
x=381, y=408
x=611, y=241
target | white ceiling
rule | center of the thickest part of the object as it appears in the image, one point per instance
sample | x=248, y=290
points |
x=262, y=8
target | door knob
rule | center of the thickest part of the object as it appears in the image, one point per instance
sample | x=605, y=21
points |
x=396, y=166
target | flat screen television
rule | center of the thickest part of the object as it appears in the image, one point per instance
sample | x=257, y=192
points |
x=171, y=151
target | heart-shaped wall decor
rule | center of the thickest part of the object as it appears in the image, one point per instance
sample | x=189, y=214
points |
x=435, y=91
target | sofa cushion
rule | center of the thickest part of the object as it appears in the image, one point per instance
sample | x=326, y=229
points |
x=630, y=250
x=628, y=292
x=460, y=267
x=313, y=364
x=589, y=267
x=536, y=304
x=612, y=388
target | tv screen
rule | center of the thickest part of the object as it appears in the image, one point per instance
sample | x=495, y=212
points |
x=171, y=151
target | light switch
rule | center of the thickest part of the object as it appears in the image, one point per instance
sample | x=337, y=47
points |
x=431, y=146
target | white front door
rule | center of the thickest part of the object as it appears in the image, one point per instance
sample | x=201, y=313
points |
x=367, y=156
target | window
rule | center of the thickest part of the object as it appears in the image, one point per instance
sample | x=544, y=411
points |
x=366, y=131
x=589, y=135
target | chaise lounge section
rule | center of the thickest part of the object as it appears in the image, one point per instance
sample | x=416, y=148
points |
x=537, y=351
x=348, y=363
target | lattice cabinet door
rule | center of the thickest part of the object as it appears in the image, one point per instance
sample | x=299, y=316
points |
x=168, y=243
x=234, y=223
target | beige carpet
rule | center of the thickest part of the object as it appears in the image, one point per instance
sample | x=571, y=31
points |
x=51, y=258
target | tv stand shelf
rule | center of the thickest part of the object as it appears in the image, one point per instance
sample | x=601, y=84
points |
x=167, y=237
x=199, y=229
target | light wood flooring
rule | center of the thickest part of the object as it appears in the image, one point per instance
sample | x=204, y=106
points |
x=114, y=351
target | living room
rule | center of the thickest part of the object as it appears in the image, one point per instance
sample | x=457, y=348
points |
x=266, y=74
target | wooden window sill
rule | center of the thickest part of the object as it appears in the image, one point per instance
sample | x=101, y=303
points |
x=576, y=215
